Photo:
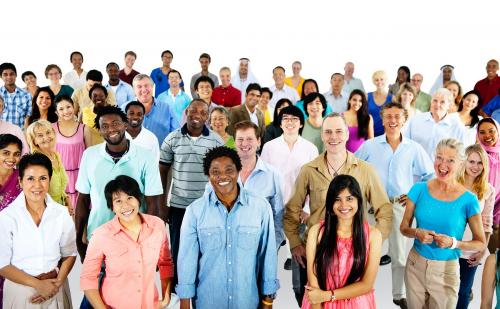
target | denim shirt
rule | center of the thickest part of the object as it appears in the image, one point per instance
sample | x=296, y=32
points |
x=227, y=259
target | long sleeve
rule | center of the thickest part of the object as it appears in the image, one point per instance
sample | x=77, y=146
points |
x=487, y=213
x=189, y=251
x=377, y=197
x=268, y=259
x=293, y=208
x=278, y=209
x=92, y=264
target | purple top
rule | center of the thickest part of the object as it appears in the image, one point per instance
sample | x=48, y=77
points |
x=354, y=141
x=10, y=190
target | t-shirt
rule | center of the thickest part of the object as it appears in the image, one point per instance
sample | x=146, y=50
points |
x=449, y=218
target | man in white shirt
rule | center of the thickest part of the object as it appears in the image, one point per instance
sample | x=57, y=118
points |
x=124, y=93
x=244, y=77
x=77, y=77
x=136, y=133
x=351, y=82
x=280, y=90
x=336, y=97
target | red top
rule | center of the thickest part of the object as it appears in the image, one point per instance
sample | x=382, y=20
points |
x=227, y=97
x=127, y=78
x=488, y=88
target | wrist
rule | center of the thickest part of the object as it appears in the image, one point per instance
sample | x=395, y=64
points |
x=454, y=243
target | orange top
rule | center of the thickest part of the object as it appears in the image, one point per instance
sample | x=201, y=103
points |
x=130, y=266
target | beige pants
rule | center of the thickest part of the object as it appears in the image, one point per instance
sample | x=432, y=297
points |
x=431, y=284
x=17, y=296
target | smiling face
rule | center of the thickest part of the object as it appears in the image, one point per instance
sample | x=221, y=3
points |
x=113, y=72
x=487, y=134
x=296, y=68
x=492, y=68
x=45, y=138
x=54, y=75
x=439, y=105
x=35, y=183
x=65, y=111
x=334, y=134
x=143, y=90
x=379, y=82
x=135, y=116
x=402, y=76
x=247, y=143
x=129, y=60
x=345, y=205
x=308, y=88
x=315, y=108
x=174, y=80
x=204, y=63
x=279, y=76
x=406, y=98
x=9, y=77
x=205, y=90
x=218, y=121
x=77, y=61
x=447, y=72
x=453, y=88
x=112, y=129
x=393, y=120
x=98, y=97
x=252, y=98
x=474, y=165
x=290, y=124
x=197, y=115
x=166, y=59
x=43, y=101
x=446, y=163
x=30, y=81
x=126, y=207
x=225, y=78
x=470, y=102
x=223, y=176
x=356, y=102
x=264, y=100
x=9, y=157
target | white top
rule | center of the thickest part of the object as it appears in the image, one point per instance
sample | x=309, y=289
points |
x=72, y=79
x=288, y=162
x=253, y=116
x=424, y=130
x=471, y=134
x=146, y=139
x=35, y=249
x=338, y=104
x=350, y=85
x=285, y=92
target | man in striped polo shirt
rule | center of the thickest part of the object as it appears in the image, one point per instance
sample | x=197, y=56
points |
x=183, y=150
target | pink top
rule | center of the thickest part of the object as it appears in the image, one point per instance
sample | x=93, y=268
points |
x=354, y=141
x=341, y=270
x=7, y=127
x=10, y=190
x=130, y=266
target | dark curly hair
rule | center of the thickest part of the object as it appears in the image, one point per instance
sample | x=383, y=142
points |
x=219, y=152
x=109, y=110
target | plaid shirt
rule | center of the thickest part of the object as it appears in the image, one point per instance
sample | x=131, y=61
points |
x=17, y=106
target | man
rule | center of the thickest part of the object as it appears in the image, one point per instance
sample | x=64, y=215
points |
x=123, y=92
x=9, y=128
x=17, y=102
x=489, y=86
x=204, y=86
x=204, y=63
x=444, y=76
x=225, y=94
x=280, y=90
x=160, y=75
x=244, y=77
x=399, y=162
x=102, y=163
x=336, y=98
x=423, y=101
x=127, y=74
x=257, y=176
x=81, y=97
x=158, y=117
x=136, y=133
x=182, y=152
x=313, y=181
x=174, y=97
x=227, y=257
x=77, y=77
x=248, y=110
x=492, y=109
x=351, y=82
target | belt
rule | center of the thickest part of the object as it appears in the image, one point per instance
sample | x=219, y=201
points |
x=394, y=199
x=50, y=275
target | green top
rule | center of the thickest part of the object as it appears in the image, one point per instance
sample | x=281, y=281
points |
x=58, y=182
x=65, y=90
x=423, y=102
x=230, y=143
x=313, y=134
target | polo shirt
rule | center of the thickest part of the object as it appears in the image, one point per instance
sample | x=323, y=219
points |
x=488, y=88
x=227, y=97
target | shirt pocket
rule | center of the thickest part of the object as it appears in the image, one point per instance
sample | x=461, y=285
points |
x=151, y=252
x=116, y=261
x=248, y=237
x=210, y=238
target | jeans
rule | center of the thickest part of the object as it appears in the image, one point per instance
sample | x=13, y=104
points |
x=466, y=280
x=176, y=215
x=299, y=274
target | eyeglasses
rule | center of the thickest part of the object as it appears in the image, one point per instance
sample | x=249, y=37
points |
x=114, y=125
x=290, y=119
x=396, y=117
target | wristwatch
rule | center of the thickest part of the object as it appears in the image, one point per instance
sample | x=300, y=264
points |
x=271, y=296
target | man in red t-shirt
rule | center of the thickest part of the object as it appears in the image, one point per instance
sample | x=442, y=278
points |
x=225, y=94
x=488, y=87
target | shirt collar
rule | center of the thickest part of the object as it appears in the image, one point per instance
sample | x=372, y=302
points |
x=249, y=112
x=205, y=131
x=447, y=120
x=116, y=226
x=242, y=198
x=382, y=139
x=132, y=151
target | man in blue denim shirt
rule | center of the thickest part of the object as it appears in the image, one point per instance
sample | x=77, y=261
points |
x=227, y=255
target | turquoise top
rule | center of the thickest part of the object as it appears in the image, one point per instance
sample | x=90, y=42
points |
x=300, y=105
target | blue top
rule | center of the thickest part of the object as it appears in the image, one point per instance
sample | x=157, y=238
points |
x=178, y=104
x=161, y=81
x=160, y=120
x=493, y=108
x=397, y=169
x=300, y=105
x=226, y=259
x=124, y=93
x=17, y=106
x=449, y=218
x=374, y=110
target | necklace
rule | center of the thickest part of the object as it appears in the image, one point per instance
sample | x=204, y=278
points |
x=335, y=171
x=116, y=156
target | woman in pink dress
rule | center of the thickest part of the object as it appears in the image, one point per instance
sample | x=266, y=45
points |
x=359, y=121
x=72, y=139
x=343, y=252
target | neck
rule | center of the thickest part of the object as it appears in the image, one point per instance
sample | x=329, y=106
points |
x=243, y=76
x=114, y=82
x=127, y=68
x=131, y=225
x=5, y=173
x=296, y=75
x=248, y=164
x=195, y=132
x=134, y=131
x=469, y=181
x=11, y=88
x=228, y=200
x=315, y=120
x=36, y=207
x=166, y=66
x=437, y=117
x=336, y=92
x=380, y=91
x=222, y=133
x=204, y=72
x=347, y=77
x=291, y=138
x=148, y=105
x=446, y=185
x=492, y=77
x=338, y=157
x=65, y=122
x=56, y=84
x=250, y=108
x=280, y=86
x=345, y=226
x=175, y=90
x=118, y=148
x=78, y=70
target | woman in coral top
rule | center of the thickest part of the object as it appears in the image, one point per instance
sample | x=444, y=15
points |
x=343, y=252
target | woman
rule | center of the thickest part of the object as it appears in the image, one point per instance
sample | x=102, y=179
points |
x=219, y=121
x=468, y=112
x=295, y=81
x=36, y=271
x=315, y=106
x=487, y=135
x=29, y=78
x=455, y=89
x=263, y=105
x=474, y=177
x=129, y=236
x=310, y=86
x=274, y=130
x=490, y=284
x=407, y=95
x=359, y=121
x=54, y=74
x=42, y=107
x=42, y=139
x=98, y=94
x=343, y=252
x=442, y=208
x=72, y=137
x=403, y=76
x=377, y=99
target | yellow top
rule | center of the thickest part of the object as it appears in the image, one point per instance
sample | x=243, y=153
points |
x=88, y=117
x=288, y=82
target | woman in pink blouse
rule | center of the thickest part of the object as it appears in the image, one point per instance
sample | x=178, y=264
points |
x=131, y=246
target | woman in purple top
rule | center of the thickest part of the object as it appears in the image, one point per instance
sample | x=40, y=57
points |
x=377, y=99
x=359, y=121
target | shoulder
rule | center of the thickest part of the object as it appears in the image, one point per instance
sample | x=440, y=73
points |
x=154, y=221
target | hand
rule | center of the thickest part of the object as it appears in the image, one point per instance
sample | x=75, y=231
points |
x=265, y=306
x=316, y=295
x=476, y=258
x=47, y=288
x=425, y=236
x=164, y=303
x=303, y=216
x=402, y=199
x=299, y=255
x=443, y=241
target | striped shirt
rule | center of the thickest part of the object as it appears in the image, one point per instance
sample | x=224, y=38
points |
x=186, y=154
x=17, y=106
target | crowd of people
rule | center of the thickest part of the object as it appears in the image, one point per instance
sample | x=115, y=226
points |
x=237, y=172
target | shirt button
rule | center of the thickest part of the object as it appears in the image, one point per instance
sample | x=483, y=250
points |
x=229, y=263
x=138, y=291
x=229, y=246
x=228, y=227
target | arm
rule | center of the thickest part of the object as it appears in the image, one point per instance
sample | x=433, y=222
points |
x=152, y=203
x=424, y=236
x=89, y=277
x=82, y=213
x=87, y=136
x=278, y=210
x=267, y=259
x=166, y=181
x=45, y=288
x=371, y=130
x=312, y=290
x=166, y=267
x=477, y=243
x=488, y=283
x=377, y=197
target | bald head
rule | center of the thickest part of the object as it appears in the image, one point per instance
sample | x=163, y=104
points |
x=349, y=70
x=492, y=68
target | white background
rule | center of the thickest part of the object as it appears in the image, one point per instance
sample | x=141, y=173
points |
x=375, y=35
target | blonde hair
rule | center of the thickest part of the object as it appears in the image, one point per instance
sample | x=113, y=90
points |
x=379, y=73
x=406, y=87
x=480, y=184
x=452, y=144
x=30, y=133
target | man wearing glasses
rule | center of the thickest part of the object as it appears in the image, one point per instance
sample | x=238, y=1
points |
x=423, y=101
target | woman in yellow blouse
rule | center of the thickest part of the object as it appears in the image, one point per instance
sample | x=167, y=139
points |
x=98, y=94
x=263, y=105
x=295, y=81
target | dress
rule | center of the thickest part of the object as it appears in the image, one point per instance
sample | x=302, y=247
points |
x=71, y=148
x=374, y=110
x=354, y=141
x=342, y=269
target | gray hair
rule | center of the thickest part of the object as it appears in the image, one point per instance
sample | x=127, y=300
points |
x=140, y=77
x=335, y=115
x=445, y=93
x=222, y=110
x=452, y=143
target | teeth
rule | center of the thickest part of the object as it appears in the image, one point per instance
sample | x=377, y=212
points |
x=128, y=213
x=224, y=183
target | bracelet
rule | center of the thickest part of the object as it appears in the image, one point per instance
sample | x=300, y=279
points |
x=416, y=232
x=454, y=243
x=267, y=303
x=333, y=297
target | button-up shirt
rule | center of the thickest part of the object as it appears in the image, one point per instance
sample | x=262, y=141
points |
x=314, y=180
x=227, y=97
x=123, y=93
x=35, y=249
x=397, y=169
x=17, y=106
x=351, y=84
x=227, y=258
x=337, y=103
x=488, y=88
x=178, y=103
x=423, y=101
x=160, y=120
x=74, y=80
x=130, y=265
x=285, y=92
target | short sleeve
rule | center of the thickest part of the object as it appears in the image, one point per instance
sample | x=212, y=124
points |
x=82, y=183
x=166, y=151
x=68, y=237
x=416, y=191
x=472, y=207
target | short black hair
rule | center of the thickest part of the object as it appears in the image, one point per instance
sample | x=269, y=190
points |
x=167, y=52
x=125, y=184
x=266, y=89
x=63, y=98
x=207, y=56
x=7, y=66
x=94, y=75
x=75, y=53
x=109, y=110
x=253, y=86
x=294, y=111
x=112, y=63
x=98, y=86
x=203, y=79
x=27, y=73
x=276, y=119
x=313, y=96
x=279, y=67
x=9, y=139
x=37, y=159
x=135, y=103
x=219, y=152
